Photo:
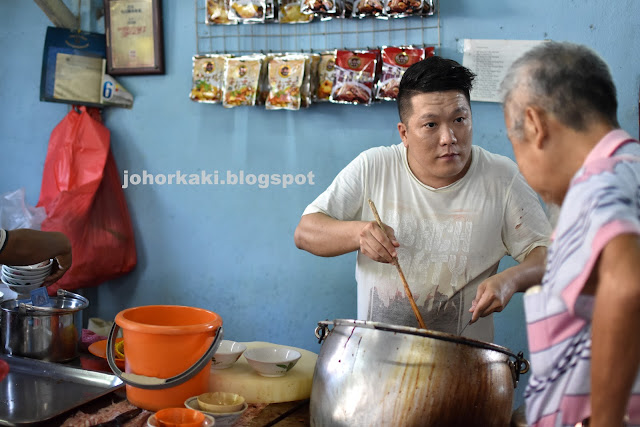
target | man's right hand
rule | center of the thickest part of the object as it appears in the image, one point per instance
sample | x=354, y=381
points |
x=377, y=244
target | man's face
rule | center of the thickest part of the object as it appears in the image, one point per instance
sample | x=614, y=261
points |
x=437, y=134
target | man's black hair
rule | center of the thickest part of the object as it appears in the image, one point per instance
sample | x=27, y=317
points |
x=434, y=74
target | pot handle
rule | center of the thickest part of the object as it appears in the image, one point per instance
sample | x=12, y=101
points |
x=518, y=367
x=153, y=383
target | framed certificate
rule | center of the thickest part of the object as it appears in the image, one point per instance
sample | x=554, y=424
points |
x=133, y=30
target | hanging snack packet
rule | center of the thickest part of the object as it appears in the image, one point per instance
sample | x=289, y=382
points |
x=428, y=7
x=286, y=74
x=355, y=75
x=218, y=13
x=364, y=8
x=321, y=7
x=395, y=61
x=263, y=83
x=402, y=8
x=271, y=11
x=248, y=10
x=241, y=77
x=290, y=12
x=326, y=73
x=208, y=74
x=309, y=84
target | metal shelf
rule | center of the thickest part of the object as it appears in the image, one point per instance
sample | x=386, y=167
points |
x=315, y=36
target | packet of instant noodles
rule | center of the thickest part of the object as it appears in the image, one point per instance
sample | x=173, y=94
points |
x=241, y=76
x=208, y=74
x=286, y=75
x=355, y=74
x=326, y=73
x=218, y=13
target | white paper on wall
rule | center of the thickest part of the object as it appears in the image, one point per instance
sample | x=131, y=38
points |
x=489, y=60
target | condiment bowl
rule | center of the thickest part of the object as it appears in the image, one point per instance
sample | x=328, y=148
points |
x=272, y=361
x=227, y=354
x=221, y=419
x=220, y=402
x=182, y=417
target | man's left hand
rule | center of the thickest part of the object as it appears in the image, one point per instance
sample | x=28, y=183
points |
x=492, y=295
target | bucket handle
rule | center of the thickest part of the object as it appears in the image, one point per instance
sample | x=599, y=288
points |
x=153, y=383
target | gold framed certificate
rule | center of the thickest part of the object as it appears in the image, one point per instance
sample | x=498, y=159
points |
x=134, y=37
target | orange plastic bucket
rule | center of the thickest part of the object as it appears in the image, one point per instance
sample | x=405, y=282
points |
x=166, y=341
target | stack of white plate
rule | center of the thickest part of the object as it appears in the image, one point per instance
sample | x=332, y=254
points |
x=22, y=279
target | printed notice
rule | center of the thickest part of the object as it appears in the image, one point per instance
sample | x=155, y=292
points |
x=489, y=60
x=78, y=78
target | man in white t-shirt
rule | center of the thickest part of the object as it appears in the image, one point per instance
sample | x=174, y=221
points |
x=451, y=211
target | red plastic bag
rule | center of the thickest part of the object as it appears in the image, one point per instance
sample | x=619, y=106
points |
x=82, y=195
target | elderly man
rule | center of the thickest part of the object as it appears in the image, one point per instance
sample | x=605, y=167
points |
x=560, y=111
x=452, y=211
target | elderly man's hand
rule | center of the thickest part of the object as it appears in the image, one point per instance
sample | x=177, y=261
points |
x=378, y=245
x=492, y=295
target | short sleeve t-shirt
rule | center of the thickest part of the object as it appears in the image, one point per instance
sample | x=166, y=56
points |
x=451, y=238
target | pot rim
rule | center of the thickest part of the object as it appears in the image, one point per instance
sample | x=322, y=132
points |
x=414, y=331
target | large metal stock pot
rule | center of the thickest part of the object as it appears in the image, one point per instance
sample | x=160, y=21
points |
x=375, y=374
x=45, y=333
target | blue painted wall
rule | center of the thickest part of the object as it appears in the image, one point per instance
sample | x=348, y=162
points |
x=230, y=248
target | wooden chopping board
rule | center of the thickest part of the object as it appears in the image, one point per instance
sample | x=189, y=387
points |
x=241, y=379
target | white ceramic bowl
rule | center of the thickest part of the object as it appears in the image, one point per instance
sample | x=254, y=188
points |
x=22, y=290
x=272, y=361
x=227, y=419
x=33, y=268
x=25, y=273
x=21, y=282
x=25, y=276
x=227, y=354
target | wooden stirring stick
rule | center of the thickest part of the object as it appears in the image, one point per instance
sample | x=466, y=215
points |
x=397, y=264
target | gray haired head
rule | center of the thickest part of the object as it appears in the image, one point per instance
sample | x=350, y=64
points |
x=568, y=80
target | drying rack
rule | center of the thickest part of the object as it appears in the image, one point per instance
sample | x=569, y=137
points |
x=316, y=36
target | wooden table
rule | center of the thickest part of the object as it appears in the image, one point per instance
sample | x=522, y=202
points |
x=275, y=414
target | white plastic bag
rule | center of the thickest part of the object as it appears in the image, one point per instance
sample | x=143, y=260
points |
x=15, y=213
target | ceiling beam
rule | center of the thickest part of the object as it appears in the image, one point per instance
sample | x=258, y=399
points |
x=58, y=13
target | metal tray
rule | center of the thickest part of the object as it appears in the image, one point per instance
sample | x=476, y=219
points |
x=35, y=391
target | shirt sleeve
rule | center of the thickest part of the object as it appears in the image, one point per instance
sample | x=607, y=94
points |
x=525, y=224
x=343, y=199
x=3, y=238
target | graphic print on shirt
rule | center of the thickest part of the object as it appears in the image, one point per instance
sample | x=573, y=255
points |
x=433, y=254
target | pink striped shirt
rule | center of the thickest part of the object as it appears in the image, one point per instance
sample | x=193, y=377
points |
x=603, y=201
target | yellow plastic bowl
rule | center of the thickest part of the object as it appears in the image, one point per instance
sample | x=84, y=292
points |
x=119, y=347
x=220, y=402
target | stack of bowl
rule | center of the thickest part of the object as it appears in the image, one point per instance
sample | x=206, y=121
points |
x=22, y=279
